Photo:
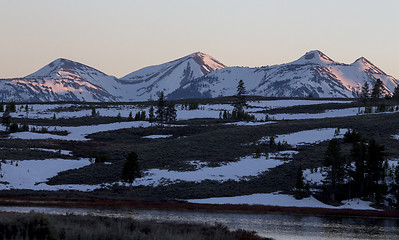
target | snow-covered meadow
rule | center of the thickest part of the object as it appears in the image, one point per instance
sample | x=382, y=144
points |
x=33, y=174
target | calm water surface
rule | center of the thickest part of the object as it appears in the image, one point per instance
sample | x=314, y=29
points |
x=268, y=225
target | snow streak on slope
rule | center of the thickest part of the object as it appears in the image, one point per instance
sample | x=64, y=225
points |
x=148, y=82
x=313, y=74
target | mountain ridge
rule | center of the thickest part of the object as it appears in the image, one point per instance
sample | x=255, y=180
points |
x=196, y=75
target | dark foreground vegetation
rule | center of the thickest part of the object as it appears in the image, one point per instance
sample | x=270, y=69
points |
x=39, y=226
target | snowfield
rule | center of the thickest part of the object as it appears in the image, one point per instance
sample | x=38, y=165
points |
x=33, y=174
x=246, y=167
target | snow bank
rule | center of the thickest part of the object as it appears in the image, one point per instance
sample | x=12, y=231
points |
x=248, y=123
x=157, y=136
x=271, y=104
x=283, y=200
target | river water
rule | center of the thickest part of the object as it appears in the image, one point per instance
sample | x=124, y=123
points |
x=276, y=226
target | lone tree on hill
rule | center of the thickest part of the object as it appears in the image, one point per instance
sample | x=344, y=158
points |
x=131, y=168
x=240, y=102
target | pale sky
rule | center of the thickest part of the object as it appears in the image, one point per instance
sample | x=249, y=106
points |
x=121, y=36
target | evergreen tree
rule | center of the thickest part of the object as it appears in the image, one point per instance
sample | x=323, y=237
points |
x=6, y=119
x=1, y=107
x=396, y=93
x=375, y=171
x=131, y=168
x=300, y=184
x=365, y=95
x=130, y=118
x=377, y=89
x=171, y=113
x=396, y=187
x=161, y=109
x=151, y=116
x=137, y=116
x=143, y=116
x=359, y=155
x=240, y=101
x=13, y=107
x=93, y=112
x=335, y=162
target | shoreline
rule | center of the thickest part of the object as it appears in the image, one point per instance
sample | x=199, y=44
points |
x=96, y=203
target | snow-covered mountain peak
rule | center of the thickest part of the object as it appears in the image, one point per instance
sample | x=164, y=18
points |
x=365, y=65
x=63, y=65
x=206, y=62
x=314, y=57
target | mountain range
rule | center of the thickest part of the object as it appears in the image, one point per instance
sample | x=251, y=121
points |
x=197, y=75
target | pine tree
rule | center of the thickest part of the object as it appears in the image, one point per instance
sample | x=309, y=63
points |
x=365, y=95
x=6, y=119
x=359, y=156
x=11, y=107
x=137, y=116
x=374, y=170
x=377, y=89
x=240, y=101
x=396, y=187
x=335, y=162
x=161, y=108
x=151, y=116
x=171, y=113
x=131, y=169
x=300, y=184
x=396, y=93
x=130, y=118
x=142, y=116
x=93, y=112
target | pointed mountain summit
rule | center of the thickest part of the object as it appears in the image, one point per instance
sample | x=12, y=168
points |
x=148, y=82
x=314, y=57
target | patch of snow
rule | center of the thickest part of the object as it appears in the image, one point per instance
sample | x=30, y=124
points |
x=157, y=136
x=33, y=174
x=272, y=104
x=307, y=137
x=64, y=152
x=79, y=133
x=283, y=200
x=249, y=123
x=245, y=167
x=315, y=177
